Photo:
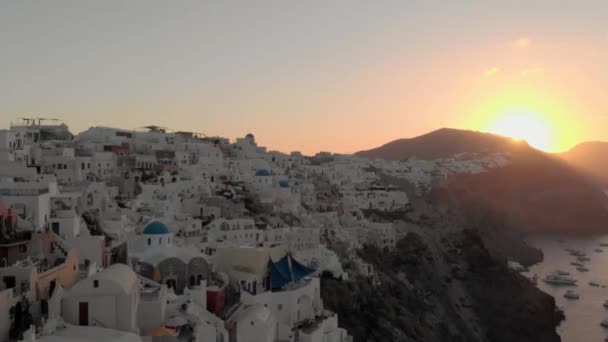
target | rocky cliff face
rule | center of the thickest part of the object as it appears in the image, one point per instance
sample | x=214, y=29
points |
x=441, y=287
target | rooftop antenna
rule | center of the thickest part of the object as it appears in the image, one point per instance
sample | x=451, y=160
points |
x=28, y=120
x=40, y=120
x=154, y=128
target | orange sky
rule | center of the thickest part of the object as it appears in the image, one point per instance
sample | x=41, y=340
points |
x=313, y=76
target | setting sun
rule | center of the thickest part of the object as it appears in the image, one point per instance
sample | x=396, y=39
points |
x=528, y=126
x=541, y=114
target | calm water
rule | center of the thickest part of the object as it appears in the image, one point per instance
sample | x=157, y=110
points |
x=583, y=316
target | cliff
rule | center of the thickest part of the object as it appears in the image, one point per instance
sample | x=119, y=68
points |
x=441, y=289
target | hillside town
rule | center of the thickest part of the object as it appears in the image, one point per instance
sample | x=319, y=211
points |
x=149, y=235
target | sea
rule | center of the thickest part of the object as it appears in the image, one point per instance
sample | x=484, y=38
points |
x=583, y=316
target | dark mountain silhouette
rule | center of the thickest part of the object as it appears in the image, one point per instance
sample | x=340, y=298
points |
x=590, y=157
x=537, y=192
x=441, y=143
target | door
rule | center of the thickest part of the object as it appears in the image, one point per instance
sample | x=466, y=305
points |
x=52, y=288
x=83, y=313
x=55, y=227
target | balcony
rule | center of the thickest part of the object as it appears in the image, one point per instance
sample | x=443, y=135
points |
x=23, y=191
x=68, y=213
x=15, y=238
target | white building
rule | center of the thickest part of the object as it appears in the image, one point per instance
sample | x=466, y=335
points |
x=253, y=323
x=31, y=199
x=108, y=299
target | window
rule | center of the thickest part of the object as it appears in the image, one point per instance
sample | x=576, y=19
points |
x=95, y=283
x=280, y=307
x=149, y=241
x=22, y=248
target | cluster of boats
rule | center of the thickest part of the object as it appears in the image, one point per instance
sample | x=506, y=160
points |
x=581, y=257
x=560, y=277
x=563, y=278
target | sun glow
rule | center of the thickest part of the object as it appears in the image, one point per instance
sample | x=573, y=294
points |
x=525, y=125
x=539, y=114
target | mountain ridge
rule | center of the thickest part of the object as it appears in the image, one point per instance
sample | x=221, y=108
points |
x=536, y=192
x=441, y=143
x=591, y=157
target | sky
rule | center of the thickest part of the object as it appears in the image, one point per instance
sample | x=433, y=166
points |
x=307, y=76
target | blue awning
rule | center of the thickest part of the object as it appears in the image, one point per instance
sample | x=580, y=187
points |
x=300, y=271
x=285, y=271
x=278, y=277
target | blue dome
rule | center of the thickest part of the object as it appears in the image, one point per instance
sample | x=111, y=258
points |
x=284, y=184
x=263, y=173
x=156, y=228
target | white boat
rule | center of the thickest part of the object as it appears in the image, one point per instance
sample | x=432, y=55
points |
x=594, y=284
x=599, y=250
x=557, y=279
x=571, y=295
x=604, y=244
x=583, y=258
x=576, y=263
x=604, y=323
x=582, y=269
x=562, y=273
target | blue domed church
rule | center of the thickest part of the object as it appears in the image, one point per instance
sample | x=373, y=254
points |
x=154, y=256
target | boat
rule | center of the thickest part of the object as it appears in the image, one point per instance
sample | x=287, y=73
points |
x=557, y=279
x=594, y=284
x=571, y=295
x=583, y=258
x=582, y=269
x=599, y=250
x=576, y=263
x=606, y=304
x=604, y=323
x=604, y=244
x=563, y=273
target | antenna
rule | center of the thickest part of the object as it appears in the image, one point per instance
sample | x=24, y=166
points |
x=154, y=128
x=40, y=120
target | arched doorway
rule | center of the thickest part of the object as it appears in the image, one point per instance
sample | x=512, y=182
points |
x=171, y=283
